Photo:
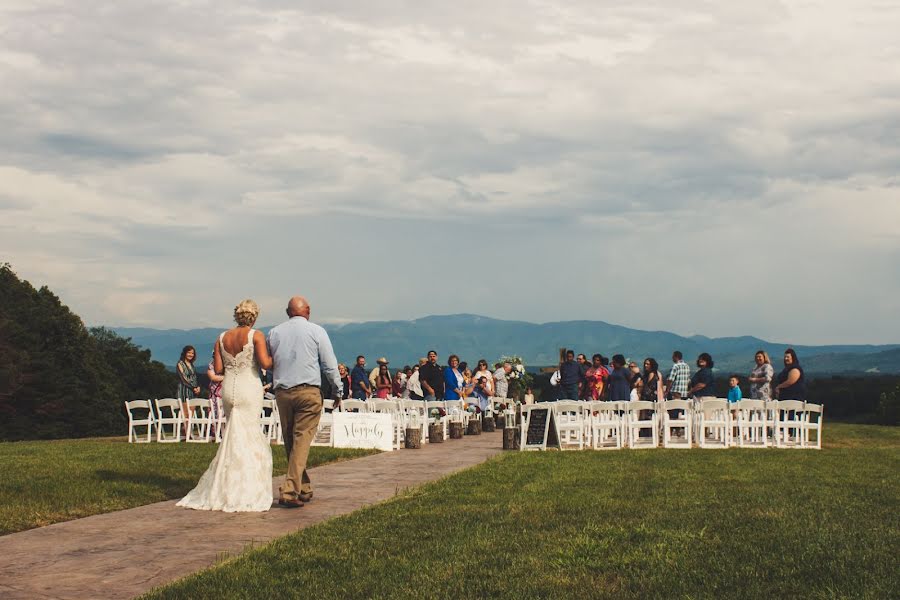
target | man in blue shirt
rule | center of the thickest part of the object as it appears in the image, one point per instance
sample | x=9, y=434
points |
x=569, y=377
x=359, y=379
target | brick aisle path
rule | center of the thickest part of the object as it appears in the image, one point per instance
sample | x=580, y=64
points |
x=125, y=553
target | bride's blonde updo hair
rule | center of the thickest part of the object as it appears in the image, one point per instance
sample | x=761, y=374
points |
x=245, y=313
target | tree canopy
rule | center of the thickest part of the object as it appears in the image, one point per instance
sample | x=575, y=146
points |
x=59, y=379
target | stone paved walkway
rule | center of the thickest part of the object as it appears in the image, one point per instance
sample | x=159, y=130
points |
x=126, y=553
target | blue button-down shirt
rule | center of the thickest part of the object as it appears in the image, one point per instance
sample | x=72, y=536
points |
x=302, y=351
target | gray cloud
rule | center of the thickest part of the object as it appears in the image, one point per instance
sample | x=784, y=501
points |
x=544, y=160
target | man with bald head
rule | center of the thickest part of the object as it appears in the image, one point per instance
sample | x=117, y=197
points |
x=302, y=351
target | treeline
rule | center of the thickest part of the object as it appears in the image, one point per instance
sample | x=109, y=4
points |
x=59, y=379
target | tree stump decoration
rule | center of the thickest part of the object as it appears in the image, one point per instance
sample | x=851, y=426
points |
x=500, y=422
x=435, y=433
x=474, y=427
x=456, y=430
x=413, y=438
x=487, y=424
x=511, y=438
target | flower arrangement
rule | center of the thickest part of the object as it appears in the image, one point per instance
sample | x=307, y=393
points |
x=474, y=409
x=436, y=414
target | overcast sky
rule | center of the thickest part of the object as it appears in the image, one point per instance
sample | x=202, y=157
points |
x=698, y=167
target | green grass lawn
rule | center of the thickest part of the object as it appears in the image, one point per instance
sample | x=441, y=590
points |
x=739, y=523
x=51, y=481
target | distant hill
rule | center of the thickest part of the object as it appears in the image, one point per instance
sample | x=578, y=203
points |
x=473, y=337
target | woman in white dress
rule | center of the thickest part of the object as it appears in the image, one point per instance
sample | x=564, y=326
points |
x=239, y=478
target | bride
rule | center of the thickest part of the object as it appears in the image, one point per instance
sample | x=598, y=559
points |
x=239, y=478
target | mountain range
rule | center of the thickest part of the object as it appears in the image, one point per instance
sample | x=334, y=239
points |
x=473, y=337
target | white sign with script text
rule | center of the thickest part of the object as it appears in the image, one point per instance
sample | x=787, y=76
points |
x=362, y=430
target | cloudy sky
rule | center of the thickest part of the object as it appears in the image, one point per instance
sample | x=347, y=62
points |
x=699, y=167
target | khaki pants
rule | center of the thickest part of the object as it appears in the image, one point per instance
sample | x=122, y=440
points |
x=300, y=408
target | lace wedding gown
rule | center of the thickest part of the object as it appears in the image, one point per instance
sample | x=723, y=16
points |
x=239, y=478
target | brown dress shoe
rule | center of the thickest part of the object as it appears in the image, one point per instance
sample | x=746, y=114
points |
x=290, y=502
x=305, y=496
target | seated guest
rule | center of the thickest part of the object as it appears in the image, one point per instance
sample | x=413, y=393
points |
x=619, y=380
x=703, y=383
x=454, y=384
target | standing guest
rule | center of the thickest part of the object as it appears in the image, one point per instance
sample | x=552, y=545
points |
x=345, y=381
x=187, y=379
x=703, y=383
x=301, y=351
x=619, y=381
x=413, y=385
x=584, y=392
x=679, y=377
x=734, y=389
x=529, y=396
x=215, y=391
x=359, y=380
x=454, y=385
x=501, y=380
x=376, y=371
x=791, y=381
x=482, y=371
x=431, y=376
x=761, y=377
x=652, y=389
x=398, y=386
x=595, y=377
x=569, y=376
x=383, y=382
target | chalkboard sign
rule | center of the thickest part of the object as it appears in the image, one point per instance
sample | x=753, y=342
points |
x=541, y=432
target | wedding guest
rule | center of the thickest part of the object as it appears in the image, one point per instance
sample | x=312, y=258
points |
x=501, y=380
x=405, y=372
x=345, y=380
x=431, y=376
x=215, y=390
x=481, y=391
x=679, y=377
x=652, y=385
x=584, y=392
x=761, y=377
x=187, y=378
x=595, y=378
x=376, y=371
x=619, y=380
x=360, y=380
x=413, y=385
x=383, y=382
x=482, y=371
x=529, y=396
x=569, y=377
x=454, y=385
x=734, y=389
x=703, y=383
x=791, y=381
x=398, y=387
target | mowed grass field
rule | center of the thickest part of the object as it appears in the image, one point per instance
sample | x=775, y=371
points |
x=51, y=481
x=613, y=524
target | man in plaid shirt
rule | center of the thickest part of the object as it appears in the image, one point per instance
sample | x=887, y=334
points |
x=679, y=377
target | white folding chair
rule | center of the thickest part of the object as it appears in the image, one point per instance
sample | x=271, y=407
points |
x=636, y=422
x=606, y=425
x=354, y=406
x=135, y=422
x=268, y=418
x=789, y=423
x=569, y=416
x=670, y=422
x=326, y=422
x=199, y=420
x=814, y=414
x=173, y=418
x=456, y=412
x=714, y=423
x=752, y=424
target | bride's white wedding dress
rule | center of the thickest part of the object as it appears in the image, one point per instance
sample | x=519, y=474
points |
x=239, y=478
